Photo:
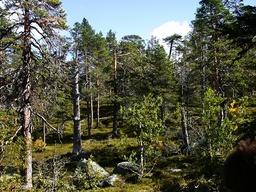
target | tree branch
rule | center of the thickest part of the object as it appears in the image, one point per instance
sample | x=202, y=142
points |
x=14, y=134
x=57, y=130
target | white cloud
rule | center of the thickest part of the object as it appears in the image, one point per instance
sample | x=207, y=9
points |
x=170, y=28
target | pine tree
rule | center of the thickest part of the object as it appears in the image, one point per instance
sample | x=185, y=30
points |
x=148, y=128
x=84, y=46
x=160, y=77
x=36, y=23
x=171, y=40
x=212, y=66
x=241, y=30
x=101, y=60
x=113, y=47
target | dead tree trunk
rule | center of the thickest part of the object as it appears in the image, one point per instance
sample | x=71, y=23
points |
x=88, y=117
x=184, y=123
x=115, y=114
x=77, y=145
x=26, y=102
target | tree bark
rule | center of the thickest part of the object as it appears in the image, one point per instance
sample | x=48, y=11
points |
x=91, y=110
x=77, y=145
x=44, y=131
x=98, y=104
x=89, y=101
x=1, y=62
x=170, y=51
x=141, y=171
x=184, y=125
x=90, y=114
x=88, y=117
x=26, y=103
x=115, y=113
x=1, y=70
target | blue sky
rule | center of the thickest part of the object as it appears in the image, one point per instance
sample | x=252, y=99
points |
x=159, y=18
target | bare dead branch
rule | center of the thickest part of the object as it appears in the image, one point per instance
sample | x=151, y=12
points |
x=53, y=128
x=16, y=132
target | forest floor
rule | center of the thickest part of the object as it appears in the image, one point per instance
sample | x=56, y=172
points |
x=171, y=173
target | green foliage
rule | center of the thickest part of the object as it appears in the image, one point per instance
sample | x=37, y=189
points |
x=51, y=175
x=209, y=58
x=147, y=126
x=211, y=121
x=39, y=145
x=54, y=3
x=10, y=183
x=132, y=157
x=219, y=135
x=145, y=118
x=12, y=156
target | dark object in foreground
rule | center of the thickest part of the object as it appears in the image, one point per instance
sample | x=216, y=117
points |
x=240, y=168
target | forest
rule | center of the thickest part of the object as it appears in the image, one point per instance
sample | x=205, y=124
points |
x=88, y=112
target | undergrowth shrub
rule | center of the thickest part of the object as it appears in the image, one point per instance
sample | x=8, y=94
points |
x=51, y=175
x=172, y=183
x=202, y=184
x=39, y=145
x=10, y=183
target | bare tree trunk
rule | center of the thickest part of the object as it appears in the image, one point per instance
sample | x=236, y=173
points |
x=26, y=103
x=90, y=114
x=170, y=51
x=88, y=117
x=141, y=171
x=44, y=132
x=184, y=123
x=115, y=114
x=98, y=104
x=26, y=126
x=98, y=111
x=91, y=111
x=90, y=98
x=77, y=145
x=1, y=70
x=219, y=89
x=1, y=62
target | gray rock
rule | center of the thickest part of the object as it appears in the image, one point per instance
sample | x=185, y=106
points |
x=174, y=170
x=92, y=168
x=126, y=167
x=110, y=181
x=91, y=174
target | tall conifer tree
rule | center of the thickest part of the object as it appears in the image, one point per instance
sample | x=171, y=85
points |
x=36, y=24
